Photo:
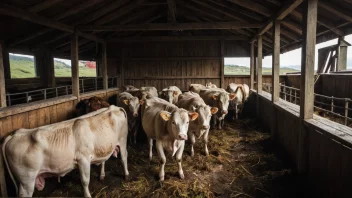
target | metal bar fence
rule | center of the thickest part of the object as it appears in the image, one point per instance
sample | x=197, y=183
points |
x=329, y=104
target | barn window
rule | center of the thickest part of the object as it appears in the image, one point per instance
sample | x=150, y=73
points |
x=22, y=66
x=62, y=68
x=237, y=66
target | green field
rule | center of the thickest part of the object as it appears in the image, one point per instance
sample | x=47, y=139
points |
x=242, y=70
x=23, y=67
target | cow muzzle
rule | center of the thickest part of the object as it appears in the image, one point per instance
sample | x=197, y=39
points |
x=182, y=137
x=205, y=127
x=224, y=111
x=135, y=115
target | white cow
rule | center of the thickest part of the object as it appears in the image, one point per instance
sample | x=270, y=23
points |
x=199, y=128
x=170, y=94
x=31, y=155
x=168, y=125
x=241, y=95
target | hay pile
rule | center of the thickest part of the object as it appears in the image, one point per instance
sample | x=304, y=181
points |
x=241, y=164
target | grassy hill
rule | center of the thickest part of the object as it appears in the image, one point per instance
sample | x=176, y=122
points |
x=242, y=70
x=23, y=67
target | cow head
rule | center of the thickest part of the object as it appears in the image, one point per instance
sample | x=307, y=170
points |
x=133, y=105
x=222, y=100
x=171, y=96
x=204, y=115
x=178, y=122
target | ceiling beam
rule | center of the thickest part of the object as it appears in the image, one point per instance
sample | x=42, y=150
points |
x=172, y=10
x=166, y=26
x=338, y=12
x=43, y=5
x=281, y=14
x=253, y=6
x=34, y=18
x=178, y=38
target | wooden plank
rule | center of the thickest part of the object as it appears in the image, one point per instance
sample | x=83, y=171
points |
x=259, y=66
x=53, y=114
x=307, y=78
x=171, y=58
x=2, y=174
x=251, y=84
x=33, y=119
x=166, y=26
x=44, y=116
x=173, y=77
x=43, y=5
x=172, y=10
x=178, y=38
x=104, y=66
x=6, y=126
x=276, y=62
x=20, y=121
x=2, y=80
x=75, y=65
x=222, y=65
x=340, y=13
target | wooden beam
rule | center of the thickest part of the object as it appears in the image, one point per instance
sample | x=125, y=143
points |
x=326, y=23
x=178, y=38
x=253, y=6
x=2, y=82
x=276, y=62
x=281, y=14
x=251, y=85
x=34, y=18
x=76, y=9
x=172, y=10
x=346, y=15
x=166, y=26
x=222, y=64
x=259, y=66
x=310, y=16
x=43, y=5
x=75, y=65
x=104, y=67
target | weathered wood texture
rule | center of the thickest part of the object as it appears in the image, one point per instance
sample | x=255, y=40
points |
x=337, y=85
x=2, y=80
x=161, y=64
x=329, y=146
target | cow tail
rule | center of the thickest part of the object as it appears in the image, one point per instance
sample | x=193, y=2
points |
x=7, y=164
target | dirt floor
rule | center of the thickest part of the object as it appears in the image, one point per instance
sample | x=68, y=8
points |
x=243, y=162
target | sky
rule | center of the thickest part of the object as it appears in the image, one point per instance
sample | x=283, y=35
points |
x=294, y=57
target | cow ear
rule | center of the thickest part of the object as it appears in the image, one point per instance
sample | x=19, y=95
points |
x=193, y=115
x=213, y=110
x=214, y=97
x=127, y=102
x=165, y=115
x=141, y=102
x=175, y=93
x=232, y=96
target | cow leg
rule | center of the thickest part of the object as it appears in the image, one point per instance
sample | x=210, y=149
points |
x=27, y=189
x=220, y=124
x=124, y=154
x=236, y=112
x=214, y=121
x=84, y=170
x=102, y=171
x=160, y=149
x=205, y=138
x=150, y=148
x=193, y=140
x=179, y=160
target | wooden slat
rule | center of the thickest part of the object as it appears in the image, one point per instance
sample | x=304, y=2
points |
x=2, y=80
x=276, y=62
x=43, y=5
x=222, y=64
x=172, y=10
x=172, y=58
x=75, y=65
x=253, y=6
x=259, y=66
x=179, y=38
x=76, y=9
x=104, y=69
x=252, y=65
x=165, y=26
x=340, y=13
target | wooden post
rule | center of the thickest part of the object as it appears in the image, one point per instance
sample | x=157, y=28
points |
x=222, y=51
x=75, y=65
x=5, y=61
x=342, y=58
x=252, y=66
x=310, y=8
x=104, y=69
x=259, y=68
x=44, y=65
x=276, y=62
x=2, y=80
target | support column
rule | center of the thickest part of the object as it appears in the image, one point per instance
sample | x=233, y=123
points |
x=104, y=69
x=75, y=65
x=2, y=80
x=44, y=66
x=259, y=67
x=342, y=52
x=251, y=86
x=276, y=62
x=222, y=51
x=6, y=61
x=310, y=10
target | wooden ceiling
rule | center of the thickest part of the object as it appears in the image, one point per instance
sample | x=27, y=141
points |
x=29, y=24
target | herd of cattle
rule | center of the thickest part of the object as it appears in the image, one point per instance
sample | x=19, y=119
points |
x=169, y=117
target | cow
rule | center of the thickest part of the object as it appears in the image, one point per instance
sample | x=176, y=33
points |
x=241, y=95
x=171, y=94
x=144, y=92
x=31, y=155
x=210, y=85
x=200, y=128
x=131, y=104
x=88, y=105
x=196, y=88
x=168, y=125
x=217, y=97
x=129, y=87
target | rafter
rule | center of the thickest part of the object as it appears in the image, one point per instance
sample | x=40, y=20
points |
x=43, y=5
x=253, y=6
x=166, y=26
x=172, y=10
x=338, y=12
x=178, y=38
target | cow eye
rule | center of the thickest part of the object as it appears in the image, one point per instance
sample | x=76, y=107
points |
x=173, y=122
x=187, y=122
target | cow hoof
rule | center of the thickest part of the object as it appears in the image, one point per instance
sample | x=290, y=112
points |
x=207, y=154
x=182, y=176
x=192, y=154
x=150, y=159
x=102, y=178
x=161, y=178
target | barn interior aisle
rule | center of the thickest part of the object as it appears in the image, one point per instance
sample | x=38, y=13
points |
x=243, y=162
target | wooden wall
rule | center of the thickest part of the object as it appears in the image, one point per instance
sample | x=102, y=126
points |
x=337, y=85
x=180, y=63
x=42, y=113
x=328, y=145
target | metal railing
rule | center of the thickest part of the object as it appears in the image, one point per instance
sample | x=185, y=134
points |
x=85, y=85
x=338, y=107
